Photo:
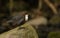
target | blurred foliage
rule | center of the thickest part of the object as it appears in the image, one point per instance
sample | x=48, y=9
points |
x=55, y=19
x=1, y=15
x=20, y=6
x=54, y=35
x=57, y=1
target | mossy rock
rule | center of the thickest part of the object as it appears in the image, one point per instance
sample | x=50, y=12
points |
x=54, y=35
x=23, y=31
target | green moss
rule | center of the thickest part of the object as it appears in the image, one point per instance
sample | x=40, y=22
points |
x=54, y=35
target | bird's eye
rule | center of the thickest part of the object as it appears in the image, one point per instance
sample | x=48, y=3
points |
x=26, y=17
